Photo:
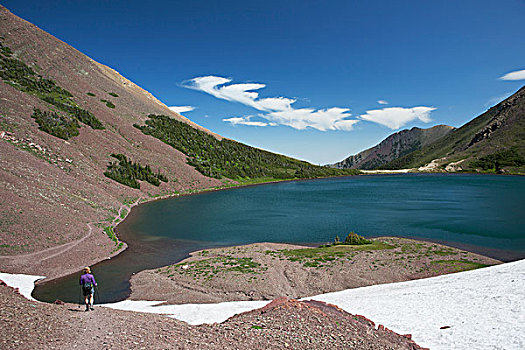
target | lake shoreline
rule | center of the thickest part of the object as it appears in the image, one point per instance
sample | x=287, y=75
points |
x=126, y=238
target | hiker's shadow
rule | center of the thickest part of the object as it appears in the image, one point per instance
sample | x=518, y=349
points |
x=75, y=310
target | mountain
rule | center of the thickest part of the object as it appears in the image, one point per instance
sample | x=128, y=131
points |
x=79, y=144
x=394, y=147
x=491, y=142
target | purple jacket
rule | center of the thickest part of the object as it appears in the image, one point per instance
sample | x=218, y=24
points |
x=87, y=277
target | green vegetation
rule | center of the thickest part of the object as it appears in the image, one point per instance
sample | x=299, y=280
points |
x=113, y=94
x=459, y=265
x=207, y=268
x=4, y=50
x=63, y=127
x=91, y=94
x=496, y=161
x=351, y=239
x=123, y=213
x=22, y=77
x=111, y=234
x=128, y=173
x=230, y=159
x=315, y=257
x=7, y=126
x=108, y=103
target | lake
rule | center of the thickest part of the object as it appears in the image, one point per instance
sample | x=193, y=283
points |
x=480, y=213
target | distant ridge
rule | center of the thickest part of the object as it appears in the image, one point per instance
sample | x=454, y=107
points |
x=394, y=147
x=491, y=142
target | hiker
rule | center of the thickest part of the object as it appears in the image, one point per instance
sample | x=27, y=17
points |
x=88, y=283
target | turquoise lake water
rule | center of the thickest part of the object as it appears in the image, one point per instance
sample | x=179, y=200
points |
x=481, y=213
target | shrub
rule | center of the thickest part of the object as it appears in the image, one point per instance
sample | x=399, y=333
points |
x=55, y=124
x=108, y=103
x=128, y=173
x=351, y=239
x=112, y=94
x=22, y=77
x=355, y=239
x=91, y=94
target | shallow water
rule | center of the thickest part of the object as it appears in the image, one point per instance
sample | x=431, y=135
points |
x=482, y=213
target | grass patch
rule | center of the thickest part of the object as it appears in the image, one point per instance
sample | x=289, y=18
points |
x=123, y=213
x=459, y=265
x=112, y=94
x=315, y=257
x=208, y=268
x=111, y=234
x=91, y=94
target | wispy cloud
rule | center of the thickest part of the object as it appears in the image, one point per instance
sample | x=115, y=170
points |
x=396, y=117
x=181, y=109
x=276, y=110
x=244, y=121
x=321, y=119
x=279, y=110
x=516, y=75
x=382, y=102
x=242, y=93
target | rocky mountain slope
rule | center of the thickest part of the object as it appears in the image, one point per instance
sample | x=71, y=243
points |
x=79, y=142
x=393, y=147
x=491, y=142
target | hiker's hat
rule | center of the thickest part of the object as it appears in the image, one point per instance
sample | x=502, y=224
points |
x=87, y=269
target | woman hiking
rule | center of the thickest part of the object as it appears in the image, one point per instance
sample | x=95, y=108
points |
x=88, y=283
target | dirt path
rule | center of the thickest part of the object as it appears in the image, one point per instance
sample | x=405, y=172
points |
x=56, y=261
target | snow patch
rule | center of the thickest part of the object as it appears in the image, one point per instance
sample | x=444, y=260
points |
x=24, y=283
x=193, y=314
x=484, y=308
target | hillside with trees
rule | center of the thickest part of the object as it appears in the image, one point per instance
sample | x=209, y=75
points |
x=228, y=158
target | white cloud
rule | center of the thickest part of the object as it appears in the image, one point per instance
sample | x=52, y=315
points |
x=396, y=117
x=244, y=121
x=516, y=75
x=181, y=109
x=321, y=119
x=382, y=102
x=242, y=93
x=277, y=110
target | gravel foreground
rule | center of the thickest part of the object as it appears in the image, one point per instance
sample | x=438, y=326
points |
x=282, y=324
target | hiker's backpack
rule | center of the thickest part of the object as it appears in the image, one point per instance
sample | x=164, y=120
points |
x=88, y=287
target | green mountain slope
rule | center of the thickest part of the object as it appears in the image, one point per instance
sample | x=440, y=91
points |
x=393, y=147
x=228, y=158
x=493, y=141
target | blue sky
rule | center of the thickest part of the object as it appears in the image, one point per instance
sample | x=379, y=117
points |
x=304, y=78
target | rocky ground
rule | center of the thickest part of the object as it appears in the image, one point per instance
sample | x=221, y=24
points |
x=284, y=324
x=51, y=189
x=265, y=271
